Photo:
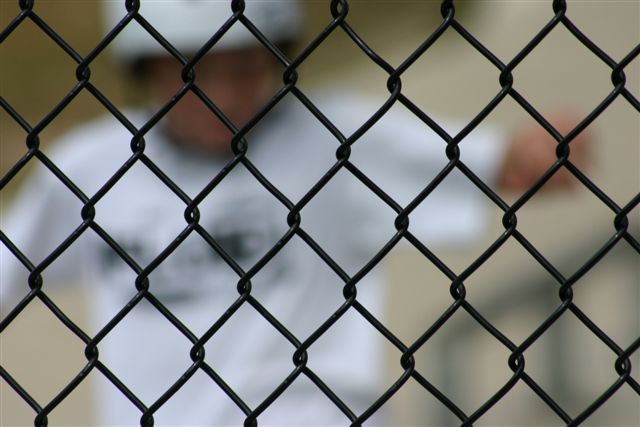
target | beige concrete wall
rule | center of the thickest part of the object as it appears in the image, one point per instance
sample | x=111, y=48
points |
x=511, y=289
x=451, y=80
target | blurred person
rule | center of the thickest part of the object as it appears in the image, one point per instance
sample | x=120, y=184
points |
x=292, y=150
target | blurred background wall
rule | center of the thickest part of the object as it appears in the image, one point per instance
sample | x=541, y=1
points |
x=452, y=80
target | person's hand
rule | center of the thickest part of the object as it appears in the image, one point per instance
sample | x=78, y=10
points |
x=532, y=151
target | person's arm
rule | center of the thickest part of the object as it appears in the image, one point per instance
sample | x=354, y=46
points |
x=36, y=221
x=403, y=156
x=532, y=151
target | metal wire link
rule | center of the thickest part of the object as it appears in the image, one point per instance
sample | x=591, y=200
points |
x=452, y=146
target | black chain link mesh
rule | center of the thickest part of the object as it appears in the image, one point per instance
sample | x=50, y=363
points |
x=451, y=143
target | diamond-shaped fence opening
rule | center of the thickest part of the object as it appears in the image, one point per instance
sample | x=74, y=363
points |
x=238, y=228
x=568, y=57
x=597, y=301
x=439, y=72
x=617, y=119
x=47, y=92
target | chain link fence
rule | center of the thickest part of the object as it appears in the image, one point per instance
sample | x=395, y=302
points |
x=567, y=286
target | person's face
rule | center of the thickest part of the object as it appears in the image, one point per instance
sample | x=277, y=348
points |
x=238, y=81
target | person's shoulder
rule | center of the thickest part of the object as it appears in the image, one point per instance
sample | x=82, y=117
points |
x=104, y=138
x=343, y=108
x=347, y=103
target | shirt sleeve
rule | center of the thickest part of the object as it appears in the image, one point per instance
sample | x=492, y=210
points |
x=403, y=156
x=36, y=221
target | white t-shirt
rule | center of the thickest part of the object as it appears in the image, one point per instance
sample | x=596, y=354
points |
x=293, y=151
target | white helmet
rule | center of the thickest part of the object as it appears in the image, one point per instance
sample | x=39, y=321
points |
x=188, y=24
